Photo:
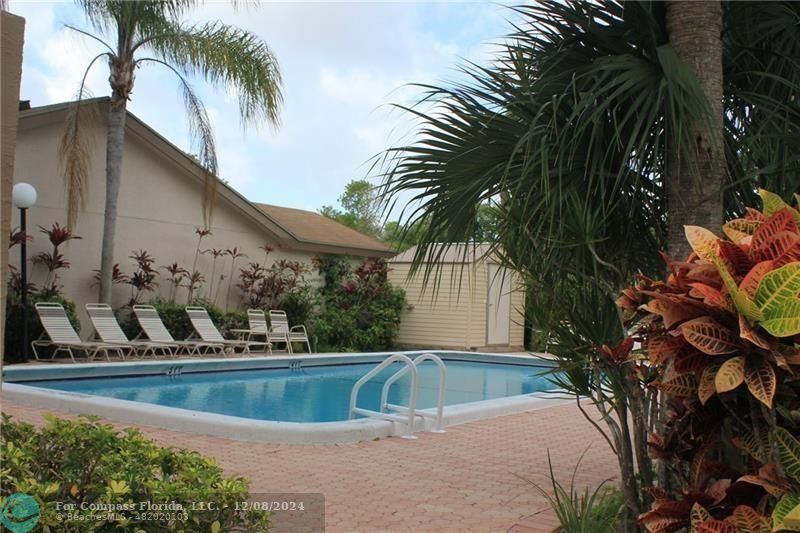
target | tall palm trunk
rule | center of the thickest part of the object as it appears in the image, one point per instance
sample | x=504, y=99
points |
x=696, y=174
x=121, y=80
x=114, y=152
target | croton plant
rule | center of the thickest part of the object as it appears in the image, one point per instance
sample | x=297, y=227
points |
x=721, y=335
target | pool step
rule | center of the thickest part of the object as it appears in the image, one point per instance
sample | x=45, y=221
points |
x=404, y=414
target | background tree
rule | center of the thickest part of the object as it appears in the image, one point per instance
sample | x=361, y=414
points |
x=363, y=209
x=401, y=237
x=360, y=208
x=150, y=32
x=579, y=125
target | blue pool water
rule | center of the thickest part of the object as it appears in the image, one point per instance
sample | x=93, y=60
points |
x=311, y=394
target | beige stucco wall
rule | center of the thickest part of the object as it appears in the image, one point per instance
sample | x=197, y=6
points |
x=12, y=30
x=455, y=316
x=159, y=209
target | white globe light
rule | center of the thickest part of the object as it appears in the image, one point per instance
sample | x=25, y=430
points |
x=23, y=195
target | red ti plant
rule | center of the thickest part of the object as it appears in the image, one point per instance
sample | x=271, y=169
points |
x=372, y=274
x=201, y=234
x=118, y=277
x=175, y=279
x=15, y=281
x=194, y=281
x=722, y=334
x=284, y=276
x=267, y=250
x=215, y=254
x=264, y=286
x=235, y=253
x=144, y=277
x=251, y=282
x=55, y=260
x=17, y=236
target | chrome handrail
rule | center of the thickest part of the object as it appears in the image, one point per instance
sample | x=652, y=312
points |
x=438, y=426
x=412, y=402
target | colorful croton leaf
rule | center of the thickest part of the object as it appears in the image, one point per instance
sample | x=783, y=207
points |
x=722, y=334
x=784, y=515
x=778, y=299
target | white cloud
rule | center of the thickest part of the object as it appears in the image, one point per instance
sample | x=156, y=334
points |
x=67, y=56
x=342, y=64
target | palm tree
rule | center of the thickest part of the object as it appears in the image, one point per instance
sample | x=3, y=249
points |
x=151, y=32
x=590, y=108
x=597, y=128
x=695, y=173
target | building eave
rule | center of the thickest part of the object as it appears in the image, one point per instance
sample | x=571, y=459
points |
x=137, y=128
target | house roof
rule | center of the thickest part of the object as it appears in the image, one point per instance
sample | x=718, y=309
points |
x=316, y=228
x=292, y=228
x=461, y=252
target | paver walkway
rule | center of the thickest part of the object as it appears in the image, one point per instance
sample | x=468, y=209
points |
x=463, y=480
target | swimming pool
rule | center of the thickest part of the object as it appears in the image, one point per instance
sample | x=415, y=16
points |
x=282, y=399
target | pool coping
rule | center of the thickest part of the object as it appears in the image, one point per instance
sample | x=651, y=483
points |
x=247, y=429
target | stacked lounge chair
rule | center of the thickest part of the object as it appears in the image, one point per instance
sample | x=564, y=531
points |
x=206, y=330
x=155, y=331
x=279, y=327
x=107, y=329
x=59, y=334
x=259, y=328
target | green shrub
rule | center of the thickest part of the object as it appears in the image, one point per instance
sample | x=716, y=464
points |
x=359, y=309
x=13, y=329
x=225, y=322
x=86, y=462
x=299, y=305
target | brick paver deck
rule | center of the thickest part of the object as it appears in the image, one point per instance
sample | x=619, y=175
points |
x=468, y=479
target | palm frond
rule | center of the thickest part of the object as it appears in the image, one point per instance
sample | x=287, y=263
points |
x=762, y=99
x=559, y=132
x=574, y=125
x=89, y=35
x=225, y=56
x=202, y=137
x=74, y=147
x=109, y=16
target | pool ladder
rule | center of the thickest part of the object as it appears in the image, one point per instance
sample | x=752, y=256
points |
x=173, y=371
x=399, y=413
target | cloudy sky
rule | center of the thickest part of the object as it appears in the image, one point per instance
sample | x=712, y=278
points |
x=342, y=64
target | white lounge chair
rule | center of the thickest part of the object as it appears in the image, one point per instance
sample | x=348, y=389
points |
x=59, y=333
x=208, y=332
x=154, y=329
x=279, y=325
x=258, y=328
x=107, y=329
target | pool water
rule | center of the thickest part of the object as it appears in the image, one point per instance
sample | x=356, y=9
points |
x=310, y=394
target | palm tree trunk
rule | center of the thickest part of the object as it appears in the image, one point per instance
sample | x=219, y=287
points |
x=114, y=152
x=696, y=173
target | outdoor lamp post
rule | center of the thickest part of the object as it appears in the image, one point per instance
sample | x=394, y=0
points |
x=24, y=197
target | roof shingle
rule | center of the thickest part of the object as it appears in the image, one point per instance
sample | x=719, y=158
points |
x=316, y=228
